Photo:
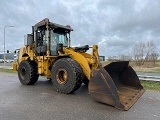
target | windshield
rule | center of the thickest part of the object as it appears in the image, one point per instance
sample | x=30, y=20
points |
x=59, y=37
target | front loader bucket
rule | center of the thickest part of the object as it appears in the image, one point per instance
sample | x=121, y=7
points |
x=116, y=84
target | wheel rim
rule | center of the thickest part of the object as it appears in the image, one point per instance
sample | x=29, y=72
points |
x=62, y=76
x=23, y=72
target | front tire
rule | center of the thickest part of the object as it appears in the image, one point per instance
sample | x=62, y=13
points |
x=66, y=75
x=27, y=72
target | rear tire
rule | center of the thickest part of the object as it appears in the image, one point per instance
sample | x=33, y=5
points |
x=27, y=72
x=66, y=75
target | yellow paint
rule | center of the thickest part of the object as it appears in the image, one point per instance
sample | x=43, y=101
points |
x=88, y=62
x=81, y=60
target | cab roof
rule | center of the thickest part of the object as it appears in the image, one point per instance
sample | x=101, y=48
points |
x=53, y=25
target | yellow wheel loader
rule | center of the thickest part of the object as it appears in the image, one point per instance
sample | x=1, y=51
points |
x=47, y=52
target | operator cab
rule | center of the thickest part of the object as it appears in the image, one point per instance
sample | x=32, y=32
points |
x=51, y=37
x=59, y=38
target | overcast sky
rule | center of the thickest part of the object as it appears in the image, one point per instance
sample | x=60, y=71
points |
x=115, y=25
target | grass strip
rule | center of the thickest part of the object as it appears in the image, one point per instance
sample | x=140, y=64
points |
x=149, y=71
x=151, y=85
x=7, y=70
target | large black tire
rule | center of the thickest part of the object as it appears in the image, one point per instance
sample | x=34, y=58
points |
x=66, y=75
x=27, y=72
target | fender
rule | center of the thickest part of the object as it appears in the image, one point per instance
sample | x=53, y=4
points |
x=81, y=60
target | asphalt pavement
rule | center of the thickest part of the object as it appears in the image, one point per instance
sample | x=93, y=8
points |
x=42, y=102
